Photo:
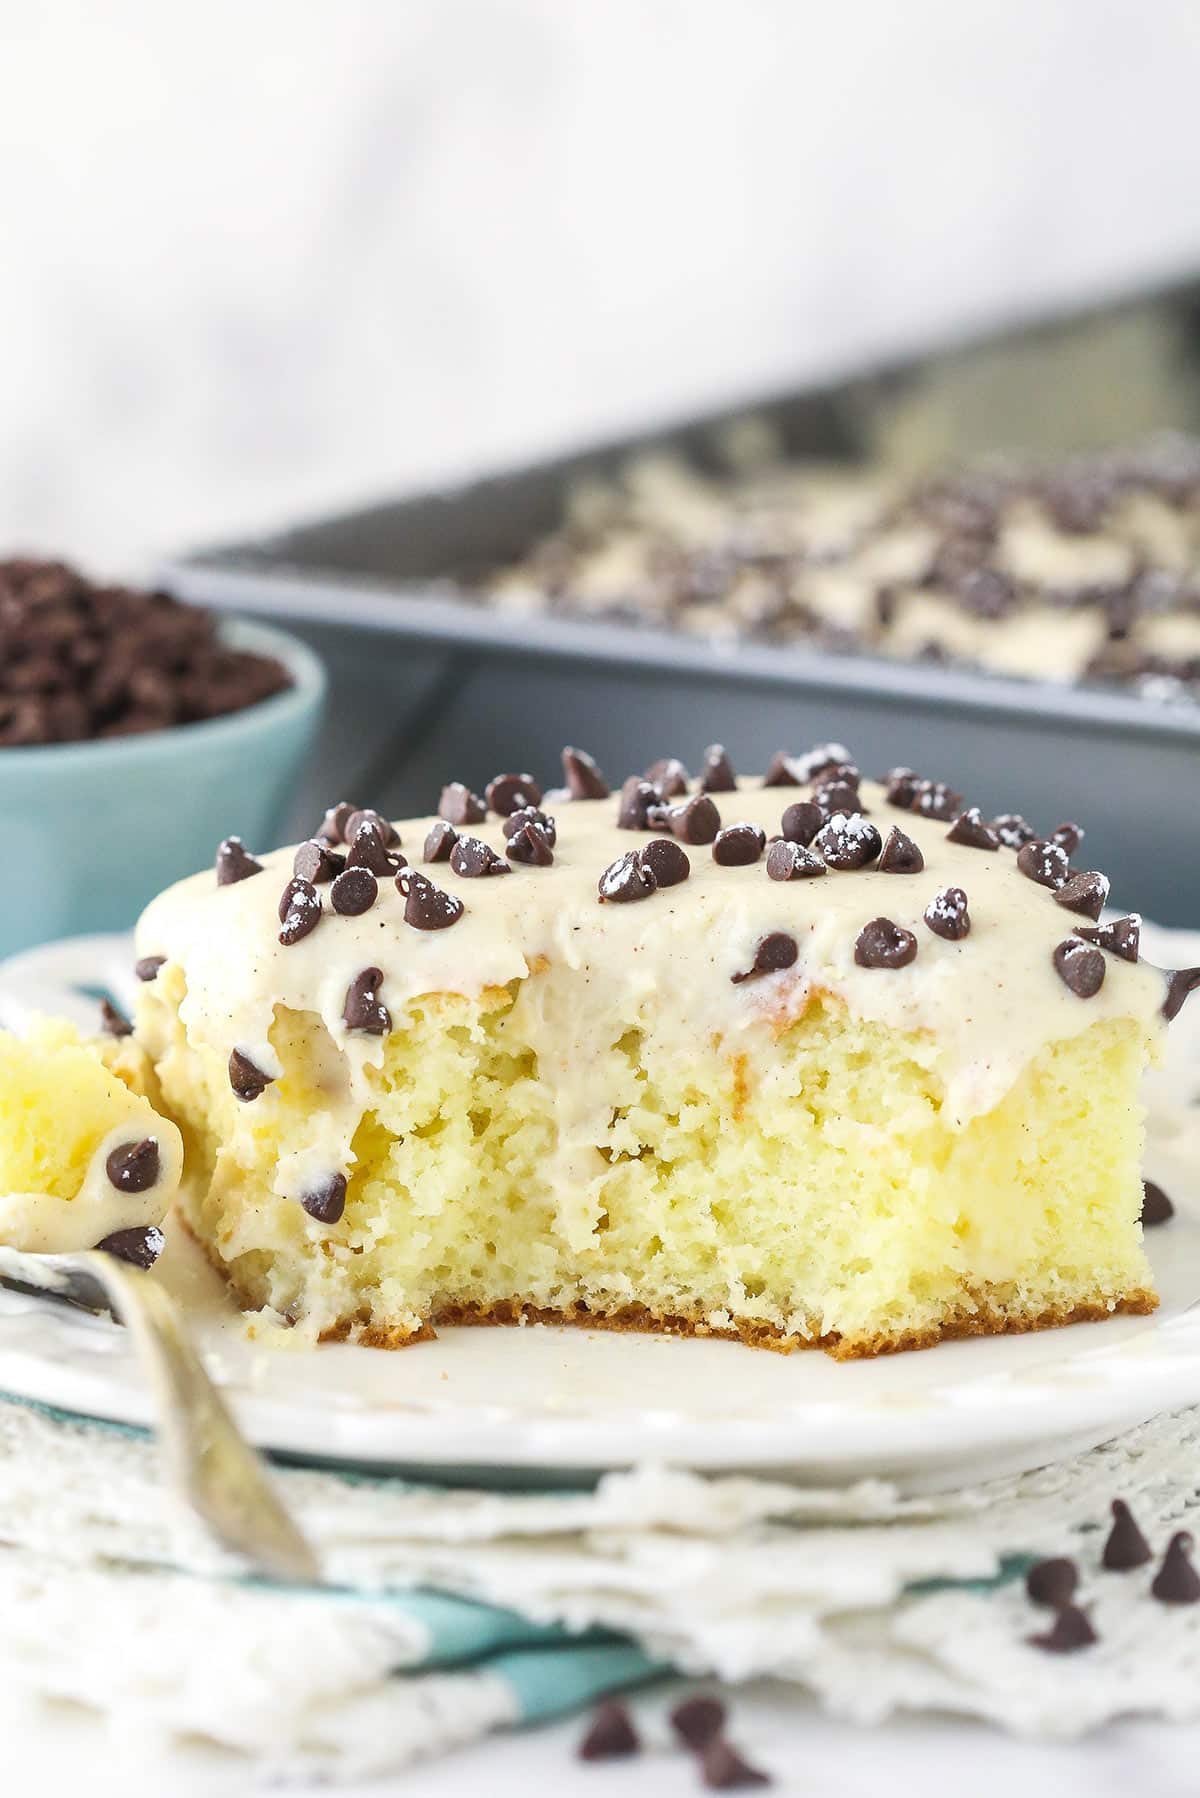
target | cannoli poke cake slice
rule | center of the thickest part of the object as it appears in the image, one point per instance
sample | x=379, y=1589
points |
x=801, y=1059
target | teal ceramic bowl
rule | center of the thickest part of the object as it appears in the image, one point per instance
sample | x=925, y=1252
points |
x=94, y=830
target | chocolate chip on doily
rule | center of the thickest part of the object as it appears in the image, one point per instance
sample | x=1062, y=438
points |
x=697, y=1720
x=1177, y=1581
x=1070, y=1630
x=1126, y=1546
x=723, y=1769
x=1052, y=1582
x=610, y=1734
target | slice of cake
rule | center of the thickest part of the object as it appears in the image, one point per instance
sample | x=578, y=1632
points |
x=801, y=1059
x=85, y=1160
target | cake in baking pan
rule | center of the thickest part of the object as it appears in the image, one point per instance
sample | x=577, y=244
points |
x=799, y=1058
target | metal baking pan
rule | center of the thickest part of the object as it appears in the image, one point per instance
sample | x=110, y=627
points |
x=429, y=686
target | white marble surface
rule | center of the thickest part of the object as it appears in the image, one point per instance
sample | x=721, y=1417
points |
x=265, y=259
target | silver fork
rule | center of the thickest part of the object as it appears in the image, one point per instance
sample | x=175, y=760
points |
x=206, y=1456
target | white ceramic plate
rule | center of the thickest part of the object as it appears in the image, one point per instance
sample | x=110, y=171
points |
x=542, y=1402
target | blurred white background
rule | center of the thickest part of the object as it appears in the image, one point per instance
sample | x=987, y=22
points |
x=271, y=258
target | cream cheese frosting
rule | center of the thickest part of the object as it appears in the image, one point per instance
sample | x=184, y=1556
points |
x=39, y=1223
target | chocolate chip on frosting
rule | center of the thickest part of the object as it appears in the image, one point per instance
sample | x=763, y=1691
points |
x=369, y=846
x=847, y=841
x=668, y=777
x=882, y=944
x=775, y=952
x=327, y=1201
x=972, y=831
x=637, y=798
x=900, y=786
x=1122, y=937
x=147, y=968
x=696, y=821
x=140, y=1245
x=247, y=1079
x=584, y=780
x=717, y=775
x=354, y=892
x=112, y=1021
x=367, y=815
x=1012, y=830
x=1177, y=1581
x=458, y=805
x=234, y=862
x=792, y=861
x=738, y=845
x=427, y=907
x=782, y=771
x=474, y=859
x=610, y=1734
x=440, y=841
x=299, y=910
x=509, y=793
x=934, y=799
x=1052, y=1582
x=1084, y=893
x=1047, y=863
x=627, y=879
x=1126, y=1546
x=1179, y=985
x=333, y=825
x=531, y=844
x=666, y=861
x=900, y=855
x=317, y=861
x=825, y=761
x=530, y=814
x=801, y=821
x=947, y=915
x=1080, y=967
x=363, y=1010
x=1067, y=836
x=1156, y=1206
x=833, y=796
x=1070, y=1630
x=133, y=1166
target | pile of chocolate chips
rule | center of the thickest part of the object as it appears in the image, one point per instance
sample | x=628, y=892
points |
x=79, y=660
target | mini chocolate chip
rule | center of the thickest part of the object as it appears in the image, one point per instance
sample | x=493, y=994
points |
x=666, y=861
x=362, y=1010
x=246, y=1078
x=782, y=771
x=947, y=915
x=300, y=910
x=140, y=1245
x=369, y=849
x=970, y=829
x=458, y=805
x=698, y=1719
x=900, y=855
x=723, y=1769
x=1079, y=967
x=835, y=796
x=1156, y=1206
x=934, y=799
x=333, y=825
x=317, y=862
x=901, y=788
x=529, y=814
x=774, y=953
x=112, y=1021
x=1179, y=985
x=847, y=841
x=738, y=845
x=474, y=859
x=1067, y=836
x=353, y=892
x=801, y=821
x=510, y=792
x=882, y=944
x=825, y=761
x=1046, y=863
x=1126, y=1546
x=1052, y=1582
x=717, y=775
x=1122, y=937
x=134, y=1166
x=427, y=907
x=627, y=879
x=440, y=841
x=1069, y=1631
x=584, y=780
x=792, y=861
x=147, y=968
x=327, y=1201
x=234, y=862
x=696, y=821
x=668, y=777
x=367, y=815
x=637, y=797
x=1012, y=830
x=1084, y=893
x=1177, y=1581
x=610, y=1734
x=531, y=845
